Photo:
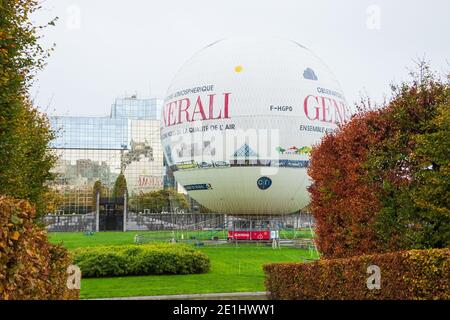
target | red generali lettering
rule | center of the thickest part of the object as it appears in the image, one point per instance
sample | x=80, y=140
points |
x=207, y=107
x=324, y=109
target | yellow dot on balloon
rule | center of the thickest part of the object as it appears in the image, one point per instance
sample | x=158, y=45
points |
x=238, y=68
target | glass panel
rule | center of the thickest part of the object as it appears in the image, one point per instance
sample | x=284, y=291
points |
x=99, y=148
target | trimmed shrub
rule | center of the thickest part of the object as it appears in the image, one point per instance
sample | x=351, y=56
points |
x=151, y=259
x=30, y=266
x=415, y=274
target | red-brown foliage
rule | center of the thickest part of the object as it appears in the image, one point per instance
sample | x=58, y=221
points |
x=415, y=274
x=30, y=266
x=343, y=204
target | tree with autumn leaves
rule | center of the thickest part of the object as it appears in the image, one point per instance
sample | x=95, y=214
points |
x=342, y=203
x=30, y=266
x=159, y=200
x=381, y=182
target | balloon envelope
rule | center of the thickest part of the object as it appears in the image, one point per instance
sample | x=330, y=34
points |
x=239, y=120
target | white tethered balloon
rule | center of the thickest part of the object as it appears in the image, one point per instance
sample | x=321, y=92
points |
x=239, y=120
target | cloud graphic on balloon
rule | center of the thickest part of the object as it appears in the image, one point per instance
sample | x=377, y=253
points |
x=309, y=74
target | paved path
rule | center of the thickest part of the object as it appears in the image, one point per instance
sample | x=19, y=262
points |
x=261, y=295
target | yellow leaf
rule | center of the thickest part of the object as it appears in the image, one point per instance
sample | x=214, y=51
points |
x=15, y=235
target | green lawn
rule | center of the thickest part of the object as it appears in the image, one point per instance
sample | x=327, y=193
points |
x=233, y=269
x=74, y=240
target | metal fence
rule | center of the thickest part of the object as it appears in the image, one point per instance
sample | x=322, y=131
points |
x=169, y=221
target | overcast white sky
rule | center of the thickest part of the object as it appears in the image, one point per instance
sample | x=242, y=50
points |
x=110, y=48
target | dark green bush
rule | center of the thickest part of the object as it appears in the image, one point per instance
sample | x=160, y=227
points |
x=140, y=260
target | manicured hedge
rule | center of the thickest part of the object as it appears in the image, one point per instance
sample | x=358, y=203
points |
x=140, y=260
x=30, y=266
x=415, y=274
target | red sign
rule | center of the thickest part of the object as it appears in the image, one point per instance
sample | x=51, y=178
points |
x=249, y=235
x=147, y=181
x=201, y=108
x=324, y=109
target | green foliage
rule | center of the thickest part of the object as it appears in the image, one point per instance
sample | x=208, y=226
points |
x=157, y=201
x=30, y=267
x=120, y=186
x=96, y=189
x=25, y=160
x=20, y=53
x=140, y=260
x=51, y=200
x=405, y=275
x=409, y=166
x=431, y=190
x=100, y=188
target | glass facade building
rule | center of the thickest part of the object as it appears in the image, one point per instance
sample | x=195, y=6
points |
x=94, y=149
x=133, y=108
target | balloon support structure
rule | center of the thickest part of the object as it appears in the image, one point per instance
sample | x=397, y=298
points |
x=291, y=230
